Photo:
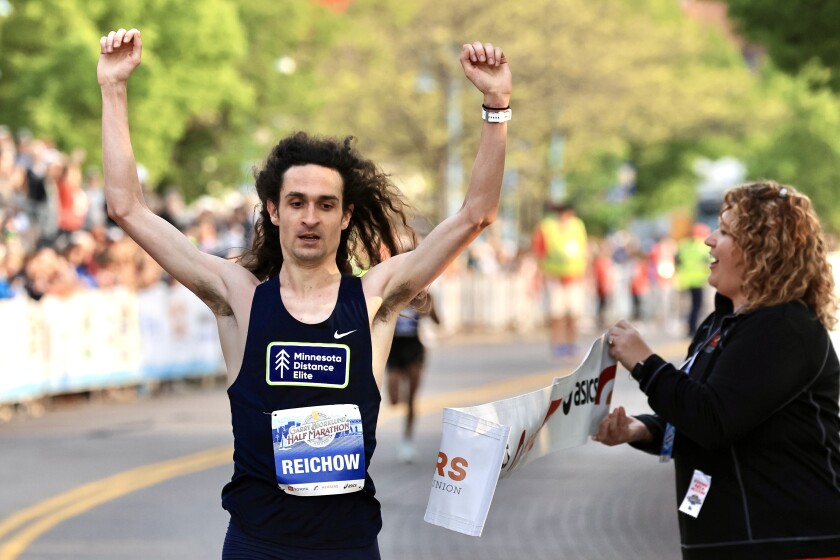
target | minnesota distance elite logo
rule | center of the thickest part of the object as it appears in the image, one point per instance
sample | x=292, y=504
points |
x=308, y=364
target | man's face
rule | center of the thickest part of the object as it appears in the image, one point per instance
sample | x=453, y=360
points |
x=309, y=214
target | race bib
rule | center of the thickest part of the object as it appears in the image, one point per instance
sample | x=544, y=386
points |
x=319, y=450
x=308, y=364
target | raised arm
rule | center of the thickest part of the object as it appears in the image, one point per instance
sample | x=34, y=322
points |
x=400, y=278
x=209, y=277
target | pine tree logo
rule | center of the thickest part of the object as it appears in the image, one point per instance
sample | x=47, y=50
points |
x=282, y=362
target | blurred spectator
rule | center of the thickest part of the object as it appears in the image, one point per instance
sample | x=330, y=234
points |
x=126, y=265
x=239, y=228
x=481, y=257
x=205, y=234
x=40, y=168
x=663, y=268
x=48, y=273
x=6, y=291
x=639, y=282
x=174, y=208
x=55, y=237
x=11, y=175
x=604, y=278
x=692, y=262
x=93, y=188
x=12, y=255
x=80, y=255
x=72, y=200
x=560, y=244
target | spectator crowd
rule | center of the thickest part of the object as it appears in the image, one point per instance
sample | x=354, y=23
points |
x=55, y=234
x=56, y=238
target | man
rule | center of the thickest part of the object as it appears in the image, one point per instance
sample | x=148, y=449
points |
x=559, y=244
x=290, y=317
x=405, y=367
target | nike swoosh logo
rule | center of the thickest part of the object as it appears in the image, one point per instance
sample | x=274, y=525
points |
x=338, y=335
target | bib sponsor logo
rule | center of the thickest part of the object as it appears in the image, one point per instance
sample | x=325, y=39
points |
x=308, y=364
x=456, y=471
x=586, y=392
x=589, y=391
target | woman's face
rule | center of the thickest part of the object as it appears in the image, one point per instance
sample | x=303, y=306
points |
x=727, y=266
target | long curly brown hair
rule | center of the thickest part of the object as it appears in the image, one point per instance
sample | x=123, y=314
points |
x=379, y=219
x=782, y=245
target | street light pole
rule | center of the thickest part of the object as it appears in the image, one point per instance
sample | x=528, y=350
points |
x=454, y=131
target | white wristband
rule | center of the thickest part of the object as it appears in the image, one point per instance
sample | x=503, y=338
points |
x=495, y=116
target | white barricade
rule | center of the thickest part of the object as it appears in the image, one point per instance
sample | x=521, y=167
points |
x=504, y=301
x=93, y=340
x=178, y=334
x=99, y=339
x=22, y=359
x=105, y=338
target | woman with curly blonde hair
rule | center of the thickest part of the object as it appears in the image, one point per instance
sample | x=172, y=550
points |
x=751, y=417
x=784, y=252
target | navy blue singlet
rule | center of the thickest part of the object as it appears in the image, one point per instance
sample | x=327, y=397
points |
x=252, y=497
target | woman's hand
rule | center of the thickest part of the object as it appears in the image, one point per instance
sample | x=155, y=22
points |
x=626, y=344
x=617, y=428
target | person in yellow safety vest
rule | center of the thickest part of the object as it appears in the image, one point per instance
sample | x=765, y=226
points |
x=693, y=270
x=560, y=245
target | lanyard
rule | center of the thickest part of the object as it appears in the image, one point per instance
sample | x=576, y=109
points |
x=670, y=431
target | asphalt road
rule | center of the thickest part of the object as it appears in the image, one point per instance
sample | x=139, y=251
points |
x=109, y=478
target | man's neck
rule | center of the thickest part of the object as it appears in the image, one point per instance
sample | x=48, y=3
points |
x=303, y=280
x=309, y=294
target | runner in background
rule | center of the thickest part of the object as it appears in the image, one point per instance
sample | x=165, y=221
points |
x=405, y=367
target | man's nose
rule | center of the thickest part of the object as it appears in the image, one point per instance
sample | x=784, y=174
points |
x=310, y=215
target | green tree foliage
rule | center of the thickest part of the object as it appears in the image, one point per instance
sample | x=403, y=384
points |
x=222, y=80
x=44, y=46
x=284, y=41
x=613, y=78
x=207, y=96
x=796, y=33
x=189, y=72
x=804, y=147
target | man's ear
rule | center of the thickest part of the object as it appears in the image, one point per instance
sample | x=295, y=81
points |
x=272, y=212
x=345, y=220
